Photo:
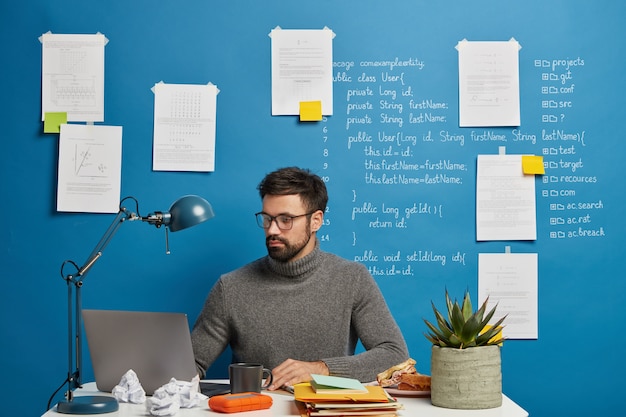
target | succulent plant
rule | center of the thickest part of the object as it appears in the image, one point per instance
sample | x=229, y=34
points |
x=464, y=328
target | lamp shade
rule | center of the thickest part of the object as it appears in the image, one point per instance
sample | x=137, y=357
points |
x=187, y=211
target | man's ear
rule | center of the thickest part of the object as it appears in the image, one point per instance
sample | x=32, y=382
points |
x=317, y=219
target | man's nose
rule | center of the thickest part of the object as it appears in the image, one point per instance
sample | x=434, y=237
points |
x=273, y=229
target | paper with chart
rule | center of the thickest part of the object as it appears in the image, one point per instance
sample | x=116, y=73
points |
x=489, y=83
x=184, y=127
x=90, y=168
x=302, y=69
x=505, y=199
x=510, y=281
x=72, y=76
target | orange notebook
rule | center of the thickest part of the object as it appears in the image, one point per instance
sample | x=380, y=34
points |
x=244, y=401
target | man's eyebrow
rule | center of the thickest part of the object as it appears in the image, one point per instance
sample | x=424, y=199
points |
x=284, y=213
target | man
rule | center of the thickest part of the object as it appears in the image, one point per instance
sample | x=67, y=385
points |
x=300, y=310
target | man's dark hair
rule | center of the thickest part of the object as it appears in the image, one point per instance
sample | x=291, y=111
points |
x=293, y=180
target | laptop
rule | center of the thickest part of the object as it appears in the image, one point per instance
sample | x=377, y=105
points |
x=157, y=346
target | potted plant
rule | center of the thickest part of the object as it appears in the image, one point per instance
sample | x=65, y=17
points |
x=466, y=370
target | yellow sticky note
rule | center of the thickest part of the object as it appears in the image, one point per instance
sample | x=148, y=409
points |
x=310, y=111
x=53, y=121
x=533, y=164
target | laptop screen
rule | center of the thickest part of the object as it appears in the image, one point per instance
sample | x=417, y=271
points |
x=157, y=346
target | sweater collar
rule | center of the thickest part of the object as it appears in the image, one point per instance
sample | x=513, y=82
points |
x=298, y=267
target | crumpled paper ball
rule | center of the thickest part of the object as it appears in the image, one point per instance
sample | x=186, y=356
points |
x=175, y=395
x=129, y=390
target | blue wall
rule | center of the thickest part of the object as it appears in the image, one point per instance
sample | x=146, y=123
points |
x=581, y=283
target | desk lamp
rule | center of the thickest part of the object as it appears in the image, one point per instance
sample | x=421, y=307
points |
x=185, y=212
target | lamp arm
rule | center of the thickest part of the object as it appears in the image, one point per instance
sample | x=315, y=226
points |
x=75, y=313
x=122, y=216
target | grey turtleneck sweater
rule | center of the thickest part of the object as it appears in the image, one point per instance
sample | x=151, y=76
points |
x=315, y=308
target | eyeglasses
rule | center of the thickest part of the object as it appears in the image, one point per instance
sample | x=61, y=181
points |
x=283, y=221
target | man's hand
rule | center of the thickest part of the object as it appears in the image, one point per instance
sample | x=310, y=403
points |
x=292, y=372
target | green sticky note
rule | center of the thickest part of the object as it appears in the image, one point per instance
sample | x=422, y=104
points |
x=310, y=111
x=533, y=164
x=53, y=120
x=331, y=384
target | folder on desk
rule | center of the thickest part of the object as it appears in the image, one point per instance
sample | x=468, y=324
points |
x=306, y=393
x=375, y=402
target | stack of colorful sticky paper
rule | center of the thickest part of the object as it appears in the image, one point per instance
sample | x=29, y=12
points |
x=338, y=398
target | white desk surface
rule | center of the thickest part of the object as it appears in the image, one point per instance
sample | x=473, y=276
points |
x=284, y=406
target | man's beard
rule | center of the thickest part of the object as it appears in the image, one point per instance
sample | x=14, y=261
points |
x=288, y=251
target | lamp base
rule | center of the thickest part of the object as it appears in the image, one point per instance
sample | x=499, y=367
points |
x=94, y=404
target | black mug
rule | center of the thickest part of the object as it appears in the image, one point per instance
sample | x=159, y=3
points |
x=248, y=377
